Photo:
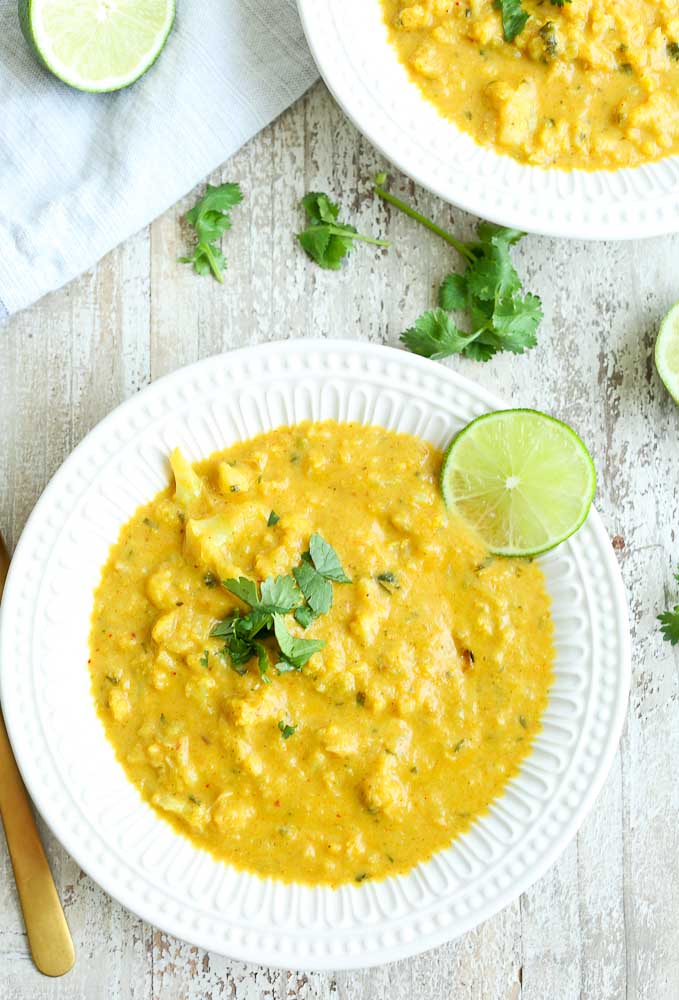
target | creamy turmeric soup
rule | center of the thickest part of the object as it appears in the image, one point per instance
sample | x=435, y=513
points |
x=359, y=688
x=588, y=83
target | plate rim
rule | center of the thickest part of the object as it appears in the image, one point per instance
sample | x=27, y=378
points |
x=164, y=921
x=574, y=229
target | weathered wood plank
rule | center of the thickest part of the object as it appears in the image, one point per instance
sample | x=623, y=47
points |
x=602, y=923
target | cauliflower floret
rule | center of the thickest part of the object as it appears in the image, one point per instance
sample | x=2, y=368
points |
x=260, y=706
x=372, y=608
x=119, y=703
x=174, y=759
x=182, y=630
x=188, y=484
x=383, y=790
x=189, y=809
x=232, y=478
x=416, y=16
x=211, y=539
x=229, y=813
x=516, y=110
x=340, y=741
x=163, y=667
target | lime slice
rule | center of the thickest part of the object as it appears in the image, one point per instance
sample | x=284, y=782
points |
x=523, y=480
x=97, y=45
x=667, y=352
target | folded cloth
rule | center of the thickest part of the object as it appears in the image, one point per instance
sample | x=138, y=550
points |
x=80, y=172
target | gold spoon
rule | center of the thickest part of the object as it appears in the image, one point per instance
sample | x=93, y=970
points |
x=48, y=934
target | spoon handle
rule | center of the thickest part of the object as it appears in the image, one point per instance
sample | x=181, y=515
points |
x=48, y=934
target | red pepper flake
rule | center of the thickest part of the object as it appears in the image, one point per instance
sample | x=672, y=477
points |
x=277, y=802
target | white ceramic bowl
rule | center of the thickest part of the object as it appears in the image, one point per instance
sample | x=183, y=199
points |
x=349, y=43
x=69, y=766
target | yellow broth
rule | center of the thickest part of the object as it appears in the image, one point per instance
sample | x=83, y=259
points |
x=409, y=722
x=591, y=84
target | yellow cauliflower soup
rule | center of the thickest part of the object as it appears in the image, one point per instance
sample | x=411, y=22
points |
x=307, y=666
x=586, y=83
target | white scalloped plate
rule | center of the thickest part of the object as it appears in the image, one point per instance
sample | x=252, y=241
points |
x=349, y=42
x=69, y=766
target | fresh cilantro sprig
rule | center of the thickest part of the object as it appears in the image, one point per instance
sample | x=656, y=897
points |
x=307, y=593
x=669, y=622
x=210, y=217
x=319, y=569
x=326, y=240
x=294, y=652
x=286, y=730
x=514, y=18
x=489, y=292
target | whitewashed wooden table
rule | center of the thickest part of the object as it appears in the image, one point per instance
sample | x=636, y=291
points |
x=604, y=922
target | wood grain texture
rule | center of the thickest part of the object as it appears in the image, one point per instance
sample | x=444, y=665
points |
x=603, y=923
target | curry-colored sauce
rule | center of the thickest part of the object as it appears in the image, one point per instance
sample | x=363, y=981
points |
x=411, y=719
x=592, y=84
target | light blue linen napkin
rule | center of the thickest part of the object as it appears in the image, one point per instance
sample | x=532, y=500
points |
x=81, y=172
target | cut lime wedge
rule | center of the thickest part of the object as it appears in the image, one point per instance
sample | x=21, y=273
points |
x=97, y=45
x=667, y=352
x=524, y=481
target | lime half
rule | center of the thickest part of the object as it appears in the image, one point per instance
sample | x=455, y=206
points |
x=523, y=480
x=97, y=45
x=667, y=352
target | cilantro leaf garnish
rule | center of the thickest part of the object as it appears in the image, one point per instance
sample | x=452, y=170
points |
x=278, y=596
x=514, y=18
x=273, y=519
x=308, y=593
x=316, y=589
x=304, y=616
x=453, y=293
x=669, y=622
x=245, y=590
x=669, y=625
x=262, y=661
x=210, y=217
x=435, y=335
x=326, y=240
x=325, y=560
x=294, y=652
x=286, y=730
x=500, y=316
x=240, y=634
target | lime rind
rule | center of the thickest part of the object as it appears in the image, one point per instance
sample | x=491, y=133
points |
x=97, y=45
x=522, y=479
x=667, y=352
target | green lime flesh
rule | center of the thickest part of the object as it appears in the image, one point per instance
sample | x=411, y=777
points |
x=667, y=352
x=97, y=45
x=523, y=480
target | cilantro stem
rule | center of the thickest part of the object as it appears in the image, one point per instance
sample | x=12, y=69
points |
x=336, y=231
x=207, y=250
x=461, y=247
